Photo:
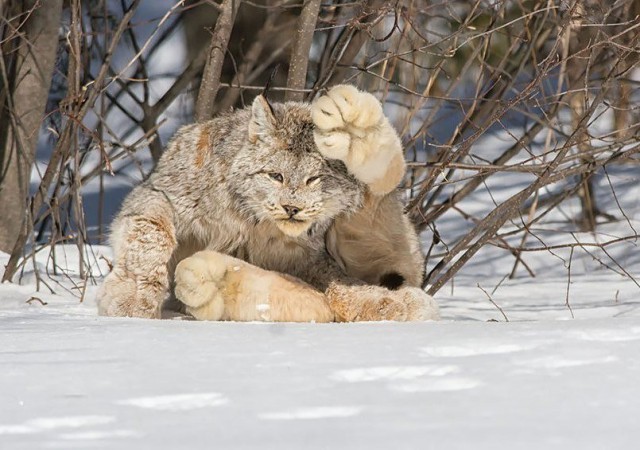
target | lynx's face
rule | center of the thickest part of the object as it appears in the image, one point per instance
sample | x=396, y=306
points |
x=285, y=179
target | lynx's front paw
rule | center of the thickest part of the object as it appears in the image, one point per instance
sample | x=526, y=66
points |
x=122, y=295
x=198, y=283
x=351, y=127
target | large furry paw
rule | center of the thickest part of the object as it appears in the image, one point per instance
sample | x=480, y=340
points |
x=420, y=305
x=351, y=127
x=345, y=106
x=198, y=282
x=125, y=296
x=375, y=303
x=215, y=286
x=343, y=113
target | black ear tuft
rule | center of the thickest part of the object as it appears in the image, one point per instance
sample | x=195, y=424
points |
x=267, y=86
x=392, y=280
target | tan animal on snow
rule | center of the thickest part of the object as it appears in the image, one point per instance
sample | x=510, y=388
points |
x=283, y=213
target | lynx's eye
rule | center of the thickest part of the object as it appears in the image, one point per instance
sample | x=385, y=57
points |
x=276, y=176
x=312, y=180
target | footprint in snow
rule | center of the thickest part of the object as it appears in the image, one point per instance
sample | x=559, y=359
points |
x=437, y=385
x=389, y=373
x=179, y=402
x=98, y=435
x=557, y=362
x=323, y=412
x=604, y=335
x=42, y=424
x=473, y=349
x=410, y=378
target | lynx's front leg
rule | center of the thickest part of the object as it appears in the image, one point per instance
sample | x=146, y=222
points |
x=139, y=281
x=215, y=286
x=351, y=127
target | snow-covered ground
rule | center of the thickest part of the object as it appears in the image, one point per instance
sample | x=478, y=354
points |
x=71, y=379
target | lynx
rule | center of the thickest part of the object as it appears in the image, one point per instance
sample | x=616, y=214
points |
x=283, y=212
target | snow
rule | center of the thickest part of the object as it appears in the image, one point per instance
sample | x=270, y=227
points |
x=71, y=379
x=75, y=380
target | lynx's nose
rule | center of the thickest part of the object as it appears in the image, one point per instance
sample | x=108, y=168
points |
x=291, y=210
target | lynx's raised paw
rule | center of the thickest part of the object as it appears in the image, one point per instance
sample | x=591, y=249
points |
x=198, y=283
x=345, y=107
x=351, y=127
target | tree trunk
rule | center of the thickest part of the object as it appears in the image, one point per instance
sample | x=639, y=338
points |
x=215, y=58
x=25, y=81
x=300, y=51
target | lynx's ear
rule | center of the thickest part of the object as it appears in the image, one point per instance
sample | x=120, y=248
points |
x=262, y=120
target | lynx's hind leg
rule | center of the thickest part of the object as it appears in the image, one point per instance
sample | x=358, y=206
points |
x=215, y=286
x=351, y=127
x=375, y=303
x=364, y=303
x=377, y=244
